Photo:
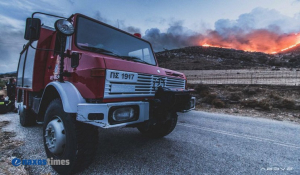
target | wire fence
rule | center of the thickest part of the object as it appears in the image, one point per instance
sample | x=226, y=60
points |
x=287, y=78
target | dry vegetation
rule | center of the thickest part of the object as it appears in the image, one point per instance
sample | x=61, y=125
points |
x=237, y=67
x=273, y=102
x=213, y=58
x=8, y=150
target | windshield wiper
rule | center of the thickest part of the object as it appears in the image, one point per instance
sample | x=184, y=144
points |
x=135, y=59
x=99, y=50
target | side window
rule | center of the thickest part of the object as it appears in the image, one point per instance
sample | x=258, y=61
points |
x=143, y=54
x=20, y=69
x=29, y=63
x=147, y=57
x=137, y=54
x=25, y=68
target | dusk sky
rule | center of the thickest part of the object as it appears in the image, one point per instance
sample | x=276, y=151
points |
x=165, y=23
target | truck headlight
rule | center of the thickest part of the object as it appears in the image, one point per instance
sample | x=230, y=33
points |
x=121, y=114
x=65, y=27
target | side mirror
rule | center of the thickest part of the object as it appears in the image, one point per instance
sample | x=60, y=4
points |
x=74, y=59
x=33, y=28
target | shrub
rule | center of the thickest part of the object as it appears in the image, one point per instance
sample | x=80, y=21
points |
x=250, y=91
x=231, y=89
x=275, y=96
x=265, y=104
x=287, y=103
x=218, y=103
x=250, y=103
x=190, y=86
x=235, y=96
x=2, y=84
x=210, y=97
x=263, y=59
x=202, y=89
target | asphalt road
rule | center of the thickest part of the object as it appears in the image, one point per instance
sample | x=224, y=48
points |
x=202, y=143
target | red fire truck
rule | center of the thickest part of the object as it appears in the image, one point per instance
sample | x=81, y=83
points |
x=84, y=74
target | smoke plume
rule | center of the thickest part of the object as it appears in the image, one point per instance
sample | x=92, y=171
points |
x=261, y=30
x=176, y=36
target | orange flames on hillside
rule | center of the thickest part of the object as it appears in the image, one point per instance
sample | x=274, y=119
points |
x=255, y=41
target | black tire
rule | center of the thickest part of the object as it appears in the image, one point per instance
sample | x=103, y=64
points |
x=26, y=117
x=161, y=129
x=15, y=110
x=12, y=107
x=80, y=140
x=3, y=111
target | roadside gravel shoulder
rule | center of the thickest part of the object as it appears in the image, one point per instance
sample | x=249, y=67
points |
x=10, y=143
x=31, y=147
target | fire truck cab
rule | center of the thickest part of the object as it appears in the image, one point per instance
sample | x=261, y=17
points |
x=84, y=74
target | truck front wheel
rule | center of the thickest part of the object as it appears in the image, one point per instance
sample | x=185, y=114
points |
x=26, y=118
x=159, y=129
x=70, y=145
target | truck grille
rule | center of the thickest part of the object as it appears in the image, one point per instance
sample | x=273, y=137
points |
x=145, y=86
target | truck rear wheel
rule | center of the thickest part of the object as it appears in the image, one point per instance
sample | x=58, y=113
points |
x=26, y=118
x=160, y=129
x=68, y=141
x=3, y=109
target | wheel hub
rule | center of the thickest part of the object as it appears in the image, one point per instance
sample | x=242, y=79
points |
x=55, y=136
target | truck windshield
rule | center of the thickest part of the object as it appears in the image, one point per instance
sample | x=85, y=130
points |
x=100, y=38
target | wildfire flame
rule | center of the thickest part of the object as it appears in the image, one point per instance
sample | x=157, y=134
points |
x=255, y=41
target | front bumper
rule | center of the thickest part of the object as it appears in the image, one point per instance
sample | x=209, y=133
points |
x=191, y=105
x=84, y=109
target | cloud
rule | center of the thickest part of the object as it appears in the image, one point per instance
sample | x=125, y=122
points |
x=261, y=30
x=264, y=30
x=99, y=17
x=247, y=31
x=132, y=30
x=11, y=41
x=12, y=25
x=117, y=23
x=176, y=36
x=259, y=18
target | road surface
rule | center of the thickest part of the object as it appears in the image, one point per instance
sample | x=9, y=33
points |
x=202, y=143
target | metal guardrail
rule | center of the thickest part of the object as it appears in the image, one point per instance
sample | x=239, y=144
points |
x=288, y=78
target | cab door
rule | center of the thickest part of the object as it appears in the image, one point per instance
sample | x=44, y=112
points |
x=25, y=67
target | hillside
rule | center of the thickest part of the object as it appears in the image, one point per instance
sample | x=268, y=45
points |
x=13, y=73
x=214, y=58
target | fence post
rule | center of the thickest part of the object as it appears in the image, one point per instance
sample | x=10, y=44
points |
x=285, y=77
x=282, y=75
x=227, y=78
x=296, y=77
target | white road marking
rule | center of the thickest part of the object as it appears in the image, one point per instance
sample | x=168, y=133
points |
x=249, y=137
